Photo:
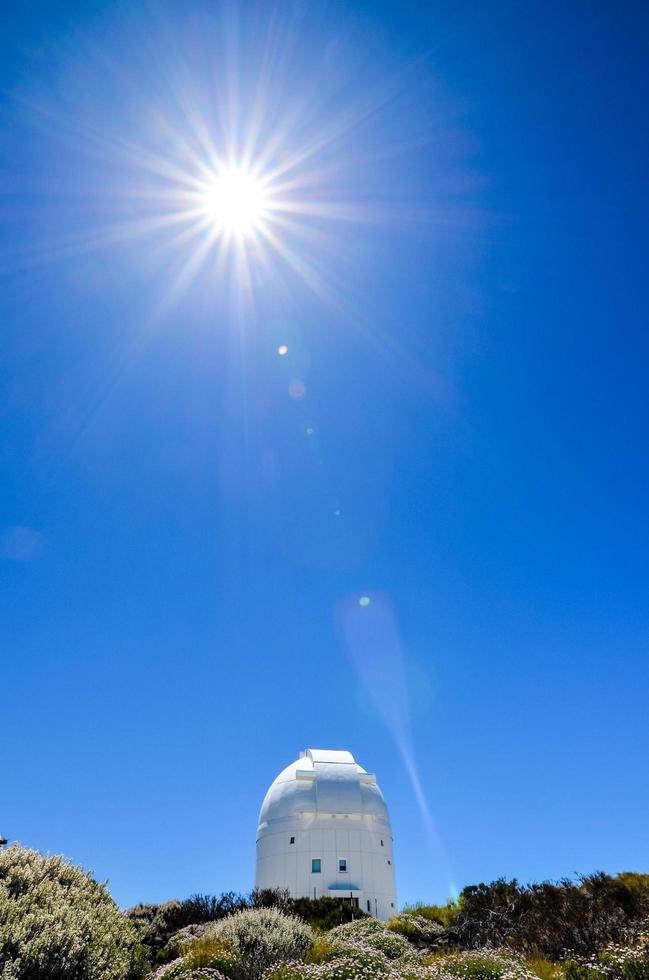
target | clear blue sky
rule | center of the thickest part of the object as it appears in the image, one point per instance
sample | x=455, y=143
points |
x=183, y=541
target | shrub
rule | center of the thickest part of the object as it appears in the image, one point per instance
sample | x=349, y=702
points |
x=58, y=923
x=353, y=964
x=416, y=928
x=548, y=919
x=208, y=951
x=443, y=915
x=271, y=898
x=263, y=937
x=482, y=964
x=325, y=913
x=358, y=929
x=613, y=963
x=321, y=951
x=177, y=972
x=364, y=946
x=543, y=968
x=159, y=924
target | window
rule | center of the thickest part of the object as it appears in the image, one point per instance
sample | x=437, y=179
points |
x=369, y=905
x=381, y=843
x=342, y=864
x=292, y=840
x=389, y=861
x=316, y=866
x=391, y=905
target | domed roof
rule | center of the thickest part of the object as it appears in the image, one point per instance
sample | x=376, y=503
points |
x=323, y=781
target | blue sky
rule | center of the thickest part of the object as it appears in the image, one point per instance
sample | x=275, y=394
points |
x=183, y=541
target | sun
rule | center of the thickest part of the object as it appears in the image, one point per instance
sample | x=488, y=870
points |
x=235, y=202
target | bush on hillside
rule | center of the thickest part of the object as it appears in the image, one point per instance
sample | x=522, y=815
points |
x=443, y=915
x=262, y=938
x=547, y=919
x=613, y=963
x=271, y=898
x=370, y=935
x=416, y=928
x=355, y=964
x=160, y=924
x=177, y=971
x=480, y=964
x=325, y=913
x=58, y=923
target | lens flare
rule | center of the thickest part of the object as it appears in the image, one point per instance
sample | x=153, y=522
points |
x=371, y=636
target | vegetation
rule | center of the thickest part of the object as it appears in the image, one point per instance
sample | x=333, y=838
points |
x=629, y=962
x=262, y=937
x=163, y=928
x=550, y=919
x=58, y=923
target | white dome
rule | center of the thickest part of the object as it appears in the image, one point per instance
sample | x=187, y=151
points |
x=324, y=830
x=320, y=782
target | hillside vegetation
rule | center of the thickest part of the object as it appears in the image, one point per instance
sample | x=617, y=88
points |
x=58, y=923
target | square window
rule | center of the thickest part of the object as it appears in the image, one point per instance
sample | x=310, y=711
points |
x=292, y=840
x=342, y=864
x=316, y=866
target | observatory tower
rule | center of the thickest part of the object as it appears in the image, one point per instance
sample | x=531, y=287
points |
x=324, y=830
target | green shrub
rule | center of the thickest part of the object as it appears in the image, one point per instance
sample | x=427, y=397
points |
x=263, y=937
x=288, y=971
x=358, y=929
x=416, y=928
x=482, y=964
x=57, y=923
x=613, y=963
x=443, y=915
x=367, y=939
x=321, y=951
x=209, y=951
x=178, y=972
x=160, y=924
x=543, y=968
x=353, y=964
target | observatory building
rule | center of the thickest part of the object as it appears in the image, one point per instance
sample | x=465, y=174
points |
x=324, y=830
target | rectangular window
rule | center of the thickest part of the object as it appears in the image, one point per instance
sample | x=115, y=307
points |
x=292, y=840
x=389, y=861
x=316, y=866
x=369, y=905
x=342, y=865
x=381, y=843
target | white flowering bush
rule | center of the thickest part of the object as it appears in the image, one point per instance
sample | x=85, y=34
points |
x=360, y=950
x=170, y=971
x=57, y=923
x=352, y=964
x=261, y=938
x=479, y=964
x=613, y=962
x=370, y=936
